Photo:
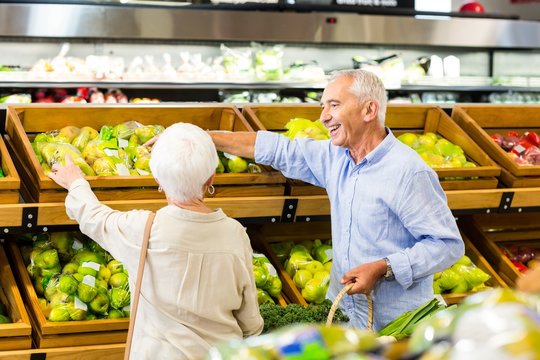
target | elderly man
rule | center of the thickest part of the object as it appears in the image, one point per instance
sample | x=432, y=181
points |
x=391, y=225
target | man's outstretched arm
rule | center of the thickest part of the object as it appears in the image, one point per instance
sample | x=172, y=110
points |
x=235, y=143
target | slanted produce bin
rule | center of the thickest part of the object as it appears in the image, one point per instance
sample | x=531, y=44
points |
x=476, y=257
x=10, y=182
x=483, y=121
x=15, y=335
x=49, y=334
x=510, y=242
x=25, y=122
x=305, y=234
x=417, y=119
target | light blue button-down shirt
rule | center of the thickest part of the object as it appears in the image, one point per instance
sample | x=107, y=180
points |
x=389, y=205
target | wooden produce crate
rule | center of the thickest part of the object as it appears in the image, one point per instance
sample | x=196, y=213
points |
x=24, y=122
x=400, y=119
x=10, y=183
x=91, y=352
x=482, y=121
x=49, y=334
x=295, y=232
x=16, y=335
x=481, y=262
x=488, y=232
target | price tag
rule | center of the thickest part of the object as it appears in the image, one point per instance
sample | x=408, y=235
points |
x=122, y=170
x=142, y=172
x=271, y=269
x=80, y=305
x=123, y=143
x=89, y=280
x=77, y=245
x=91, y=265
x=111, y=152
x=328, y=253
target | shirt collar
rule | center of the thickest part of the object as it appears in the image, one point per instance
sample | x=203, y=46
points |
x=381, y=149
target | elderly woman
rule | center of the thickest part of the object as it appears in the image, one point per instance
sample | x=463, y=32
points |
x=198, y=286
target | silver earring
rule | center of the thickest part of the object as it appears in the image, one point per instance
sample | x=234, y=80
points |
x=160, y=189
x=211, y=189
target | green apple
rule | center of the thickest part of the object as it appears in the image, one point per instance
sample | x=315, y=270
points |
x=86, y=292
x=314, y=291
x=322, y=275
x=119, y=280
x=115, y=266
x=464, y=260
x=314, y=267
x=70, y=268
x=409, y=139
x=328, y=266
x=301, y=277
x=59, y=313
x=75, y=313
x=274, y=289
x=264, y=297
x=86, y=270
x=104, y=273
x=67, y=284
x=115, y=314
x=100, y=303
x=47, y=259
x=119, y=297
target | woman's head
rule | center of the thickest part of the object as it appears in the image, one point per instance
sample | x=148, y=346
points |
x=183, y=160
x=365, y=85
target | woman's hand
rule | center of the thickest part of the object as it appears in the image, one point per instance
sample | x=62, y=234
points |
x=364, y=277
x=66, y=175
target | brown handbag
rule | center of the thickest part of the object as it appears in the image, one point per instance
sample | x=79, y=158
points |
x=138, y=282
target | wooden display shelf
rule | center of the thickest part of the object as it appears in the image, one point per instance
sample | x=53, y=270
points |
x=481, y=262
x=483, y=120
x=15, y=335
x=10, y=183
x=488, y=232
x=23, y=122
x=399, y=118
x=94, y=352
x=49, y=334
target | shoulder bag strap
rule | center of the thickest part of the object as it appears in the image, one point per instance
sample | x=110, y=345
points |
x=137, y=290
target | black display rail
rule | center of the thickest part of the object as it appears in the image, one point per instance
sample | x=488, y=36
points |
x=44, y=217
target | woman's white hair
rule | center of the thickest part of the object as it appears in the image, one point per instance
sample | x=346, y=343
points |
x=365, y=85
x=183, y=158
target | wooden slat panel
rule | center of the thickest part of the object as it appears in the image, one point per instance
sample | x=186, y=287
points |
x=10, y=215
x=474, y=199
x=313, y=206
x=11, y=180
x=94, y=352
x=526, y=197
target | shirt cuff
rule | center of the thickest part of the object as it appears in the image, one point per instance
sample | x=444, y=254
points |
x=402, y=269
x=78, y=183
x=265, y=145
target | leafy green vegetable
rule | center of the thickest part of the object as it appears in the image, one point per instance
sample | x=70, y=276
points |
x=276, y=316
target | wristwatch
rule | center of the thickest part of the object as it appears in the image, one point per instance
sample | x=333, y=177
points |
x=389, y=275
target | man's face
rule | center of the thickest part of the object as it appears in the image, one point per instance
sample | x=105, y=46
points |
x=342, y=113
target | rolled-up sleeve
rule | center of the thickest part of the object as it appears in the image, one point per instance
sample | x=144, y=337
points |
x=302, y=159
x=424, y=212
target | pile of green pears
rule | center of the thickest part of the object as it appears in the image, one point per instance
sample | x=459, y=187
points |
x=308, y=263
x=266, y=279
x=114, y=150
x=462, y=277
x=305, y=128
x=74, y=278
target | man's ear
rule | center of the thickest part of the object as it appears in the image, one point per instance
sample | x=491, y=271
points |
x=371, y=111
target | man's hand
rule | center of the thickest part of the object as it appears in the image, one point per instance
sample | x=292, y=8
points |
x=364, y=277
x=66, y=175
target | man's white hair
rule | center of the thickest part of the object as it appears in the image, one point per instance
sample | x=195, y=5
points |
x=365, y=85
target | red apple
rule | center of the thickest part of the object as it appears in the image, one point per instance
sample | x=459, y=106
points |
x=472, y=7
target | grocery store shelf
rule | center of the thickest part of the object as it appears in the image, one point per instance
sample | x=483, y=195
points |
x=15, y=218
x=162, y=85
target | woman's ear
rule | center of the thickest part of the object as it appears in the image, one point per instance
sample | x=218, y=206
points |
x=210, y=180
